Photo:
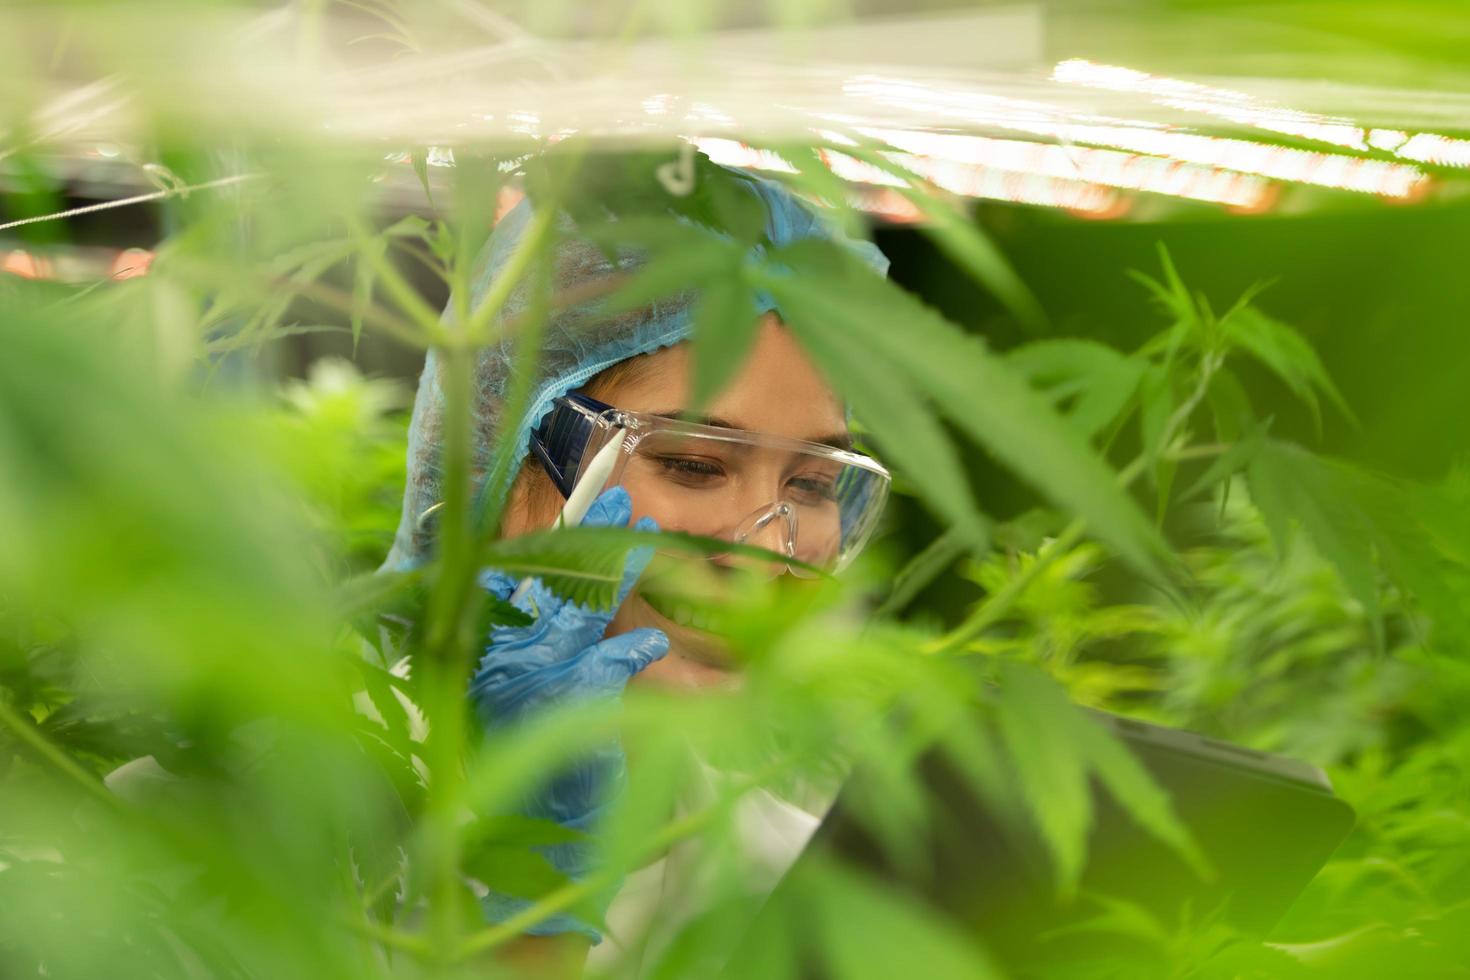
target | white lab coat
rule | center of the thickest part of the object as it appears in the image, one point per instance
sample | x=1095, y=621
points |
x=658, y=900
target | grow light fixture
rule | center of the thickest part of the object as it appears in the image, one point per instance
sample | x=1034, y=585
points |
x=940, y=155
x=1236, y=107
x=1246, y=109
x=1356, y=174
x=969, y=180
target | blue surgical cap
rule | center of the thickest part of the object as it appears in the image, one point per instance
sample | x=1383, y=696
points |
x=579, y=342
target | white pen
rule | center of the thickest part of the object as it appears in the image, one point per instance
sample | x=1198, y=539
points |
x=582, y=495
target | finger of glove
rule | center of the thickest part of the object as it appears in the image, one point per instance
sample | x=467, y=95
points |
x=497, y=583
x=638, y=560
x=600, y=670
x=608, y=666
x=612, y=508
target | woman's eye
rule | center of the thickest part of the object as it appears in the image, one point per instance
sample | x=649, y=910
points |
x=686, y=469
x=814, y=488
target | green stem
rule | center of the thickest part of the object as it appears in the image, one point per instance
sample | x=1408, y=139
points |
x=510, y=274
x=447, y=654
x=1198, y=452
x=998, y=604
x=31, y=737
x=570, y=894
x=402, y=291
x=392, y=938
x=526, y=366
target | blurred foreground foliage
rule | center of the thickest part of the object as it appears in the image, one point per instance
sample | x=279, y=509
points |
x=220, y=756
x=185, y=597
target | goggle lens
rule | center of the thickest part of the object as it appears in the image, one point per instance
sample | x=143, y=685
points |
x=809, y=503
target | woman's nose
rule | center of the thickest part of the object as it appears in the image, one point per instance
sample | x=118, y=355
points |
x=773, y=527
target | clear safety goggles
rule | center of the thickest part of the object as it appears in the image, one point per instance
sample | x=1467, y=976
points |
x=810, y=502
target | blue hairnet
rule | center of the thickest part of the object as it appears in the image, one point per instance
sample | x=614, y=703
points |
x=579, y=342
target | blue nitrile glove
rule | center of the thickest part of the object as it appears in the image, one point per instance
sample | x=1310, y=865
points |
x=559, y=658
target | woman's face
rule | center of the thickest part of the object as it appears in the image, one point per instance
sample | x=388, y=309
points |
x=777, y=391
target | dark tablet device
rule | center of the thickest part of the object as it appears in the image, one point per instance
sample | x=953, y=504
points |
x=1265, y=823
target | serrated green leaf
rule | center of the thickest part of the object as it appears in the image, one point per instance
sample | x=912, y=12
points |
x=572, y=575
x=1287, y=355
x=923, y=569
x=1230, y=462
x=380, y=686
x=585, y=564
x=1291, y=485
x=896, y=339
x=1155, y=407
x=1035, y=722
x=1230, y=406
x=1130, y=784
x=421, y=169
x=724, y=330
x=815, y=178
x=397, y=766
x=949, y=226
x=408, y=226
x=903, y=426
x=1171, y=294
x=1102, y=380
x=515, y=830
x=673, y=272
x=1056, y=749
x=868, y=931
x=362, y=283
x=380, y=592
x=723, y=200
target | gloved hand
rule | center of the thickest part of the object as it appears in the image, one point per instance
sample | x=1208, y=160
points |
x=559, y=658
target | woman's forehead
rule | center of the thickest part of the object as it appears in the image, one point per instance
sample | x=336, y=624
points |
x=777, y=390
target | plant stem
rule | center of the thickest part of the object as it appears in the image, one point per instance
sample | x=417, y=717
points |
x=997, y=604
x=406, y=941
x=27, y=733
x=402, y=291
x=510, y=275
x=527, y=363
x=451, y=619
x=570, y=894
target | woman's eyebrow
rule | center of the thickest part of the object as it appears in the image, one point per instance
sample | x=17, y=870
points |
x=840, y=440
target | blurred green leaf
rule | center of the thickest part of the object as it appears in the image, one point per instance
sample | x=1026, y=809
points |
x=1233, y=460
x=362, y=285
x=948, y=224
x=1051, y=767
x=870, y=932
x=1097, y=380
x=898, y=419
x=725, y=324
x=1131, y=785
x=971, y=387
x=923, y=569
x=1287, y=355
x=1293, y=486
